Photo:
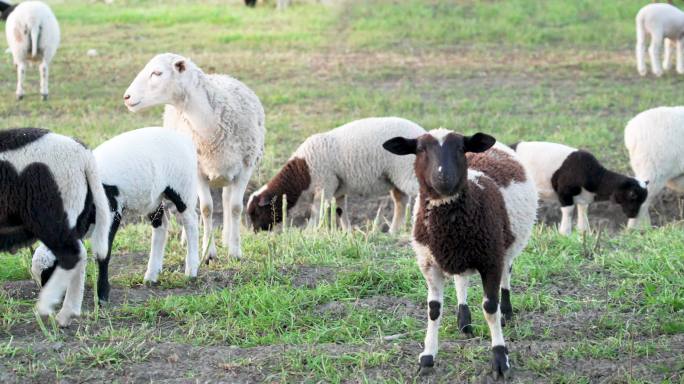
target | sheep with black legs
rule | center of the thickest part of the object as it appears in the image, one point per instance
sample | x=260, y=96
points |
x=140, y=170
x=33, y=36
x=338, y=163
x=575, y=177
x=655, y=142
x=474, y=213
x=665, y=25
x=50, y=191
x=226, y=121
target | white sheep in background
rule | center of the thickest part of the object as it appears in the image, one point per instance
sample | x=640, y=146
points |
x=337, y=163
x=655, y=142
x=665, y=24
x=474, y=213
x=33, y=36
x=50, y=191
x=575, y=177
x=140, y=169
x=226, y=121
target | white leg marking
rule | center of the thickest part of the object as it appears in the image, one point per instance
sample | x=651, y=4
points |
x=156, y=260
x=190, y=223
x=565, y=227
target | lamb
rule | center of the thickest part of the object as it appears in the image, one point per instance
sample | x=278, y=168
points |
x=337, y=163
x=50, y=190
x=33, y=36
x=663, y=22
x=474, y=213
x=140, y=169
x=226, y=121
x=575, y=177
x=656, y=153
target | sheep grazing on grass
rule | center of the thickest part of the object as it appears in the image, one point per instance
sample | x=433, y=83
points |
x=655, y=142
x=226, y=121
x=33, y=37
x=50, y=191
x=665, y=24
x=575, y=177
x=140, y=170
x=474, y=213
x=338, y=163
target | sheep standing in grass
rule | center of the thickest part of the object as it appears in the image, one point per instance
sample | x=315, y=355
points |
x=141, y=169
x=575, y=177
x=226, y=121
x=665, y=24
x=33, y=36
x=50, y=191
x=655, y=142
x=337, y=163
x=474, y=213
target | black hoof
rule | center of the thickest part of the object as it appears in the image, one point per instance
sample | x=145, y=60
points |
x=464, y=322
x=151, y=284
x=427, y=365
x=20, y=97
x=103, y=303
x=501, y=366
x=45, y=97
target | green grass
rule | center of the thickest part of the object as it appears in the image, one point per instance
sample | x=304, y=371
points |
x=317, y=306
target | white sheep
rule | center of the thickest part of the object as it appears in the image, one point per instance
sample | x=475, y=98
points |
x=665, y=24
x=655, y=142
x=575, y=177
x=50, y=191
x=140, y=169
x=226, y=121
x=33, y=37
x=474, y=213
x=338, y=163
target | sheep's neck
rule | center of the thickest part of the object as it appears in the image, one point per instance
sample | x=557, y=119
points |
x=608, y=183
x=196, y=110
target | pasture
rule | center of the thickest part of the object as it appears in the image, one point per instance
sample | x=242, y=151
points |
x=327, y=306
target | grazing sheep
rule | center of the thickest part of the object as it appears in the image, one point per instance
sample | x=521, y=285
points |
x=665, y=24
x=50, y=191
x=226, y=121
x=575, y=177
x=140, y=169
x=5, y=10
x=337, y=163
x=474, y=213
x=654, y=140
x=33, y=36
x=280, y=4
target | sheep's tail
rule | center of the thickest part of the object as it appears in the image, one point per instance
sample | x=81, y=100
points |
x=100, y=236
x=35, y=34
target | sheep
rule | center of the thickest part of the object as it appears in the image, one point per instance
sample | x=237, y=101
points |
x=575, y=177
x=337, y=163
x=226, y=121
x=663, y=22
x=33, y=36
x=50, y=190
x=280, y=4
x=140, y=169
x=474, y=213
x=656, y=154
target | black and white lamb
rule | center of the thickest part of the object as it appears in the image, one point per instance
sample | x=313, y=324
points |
x=50, y=191
x=575, y=177
x=474, y=213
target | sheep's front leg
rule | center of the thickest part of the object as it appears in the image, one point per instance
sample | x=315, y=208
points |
x=582, y=217
x=103, y=286
x=400, y=200
x=21, y=73
x=565, y=227
x=490, y=306
x=680, y=56
x=435, y=283
x=44, y=72
x=654, y=51
x=640, y=55
x=207, y=210
x=190, y=224
x=154, y=265
x=345, y=223
x=232, y=211
x=667, y=57
x=464, y=321
x=73, y=299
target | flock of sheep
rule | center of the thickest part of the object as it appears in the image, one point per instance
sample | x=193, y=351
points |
x=475, y=198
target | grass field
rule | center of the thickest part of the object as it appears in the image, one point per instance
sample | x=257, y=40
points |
x=320, y=306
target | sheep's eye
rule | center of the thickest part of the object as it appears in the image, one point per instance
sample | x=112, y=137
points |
x=156, y=73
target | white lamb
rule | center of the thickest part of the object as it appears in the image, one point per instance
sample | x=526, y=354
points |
x=665, y=24
x=33, y=36
x=655, y=142
x=226, y=121
x=337, y=163
x=139, y=170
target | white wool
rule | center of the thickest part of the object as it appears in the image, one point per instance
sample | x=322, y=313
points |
x=659, y=21
x=440, y=134
x=655, y=142
x=542, y=159
x=33, y=36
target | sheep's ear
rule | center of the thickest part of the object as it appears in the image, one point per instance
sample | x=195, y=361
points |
x=401, y=146
x=179, y=65
x=478, y=142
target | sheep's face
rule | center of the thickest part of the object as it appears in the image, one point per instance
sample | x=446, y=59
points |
x=157, y=83
x=42, y=265
x=264, y=211
x=630, y=195
x=440, y=165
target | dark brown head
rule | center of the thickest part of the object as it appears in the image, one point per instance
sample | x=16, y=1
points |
x=630, y=195
x=264, y=210
x=440, y=166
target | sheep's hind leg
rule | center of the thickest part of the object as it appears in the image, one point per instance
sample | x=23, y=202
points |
x=435, y=282
x=232, y=213
x=464, y=320
x=654, y=50
x=207, y=210
x=73, y=299
x=667, y=56
x=21, y=73
x=400, y=200
x=44, y=74
x=506, y=306
x=190, y=223
x=492, y=313
x=680, y=55
x=66, y=277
